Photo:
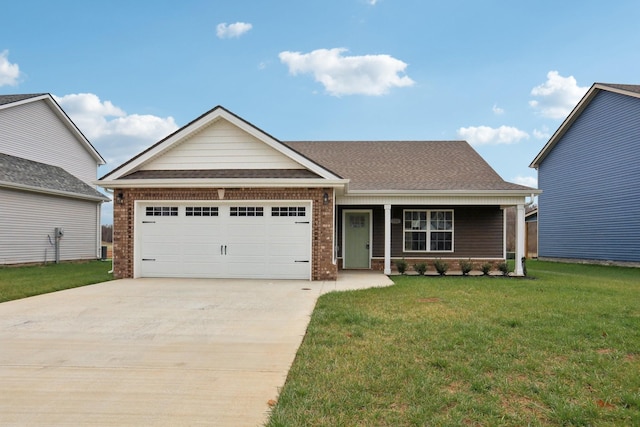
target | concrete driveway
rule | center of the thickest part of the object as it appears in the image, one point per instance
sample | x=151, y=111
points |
x=155, y=351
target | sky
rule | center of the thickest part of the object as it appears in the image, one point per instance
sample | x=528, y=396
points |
x=500, y=74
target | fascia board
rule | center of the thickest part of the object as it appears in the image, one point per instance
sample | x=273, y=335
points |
x=69, y=194
x=200, y=123
x=571, y=118
x=457, y=193
x=279, y=146
x=222, y=183
x=65, y=119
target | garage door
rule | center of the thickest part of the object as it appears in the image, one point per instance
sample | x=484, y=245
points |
x=224, y=240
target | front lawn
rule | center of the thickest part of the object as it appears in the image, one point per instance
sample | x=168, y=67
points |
x=560, y=348
x=22, y=282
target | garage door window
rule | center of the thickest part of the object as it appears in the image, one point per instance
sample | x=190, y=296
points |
x=288, y=211
x=201, y=211
x=246, y=211
x=162, y=211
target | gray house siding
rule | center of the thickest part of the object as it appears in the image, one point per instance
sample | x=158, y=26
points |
x=34, y=216
x=590, y=206
x=34, y=132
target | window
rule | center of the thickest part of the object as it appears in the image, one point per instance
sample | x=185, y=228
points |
x=428, y=231
x=288, y=211
x=246, y=211
x=201, y=211
x=162, y=211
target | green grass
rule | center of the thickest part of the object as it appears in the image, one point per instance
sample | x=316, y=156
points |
x=22, y=282
x=559, y=349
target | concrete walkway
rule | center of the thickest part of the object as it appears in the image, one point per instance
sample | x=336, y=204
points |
x=174, y=352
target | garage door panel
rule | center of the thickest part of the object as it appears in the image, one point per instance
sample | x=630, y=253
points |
x=223, y=245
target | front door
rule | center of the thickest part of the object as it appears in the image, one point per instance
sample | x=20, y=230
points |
x=356, y=240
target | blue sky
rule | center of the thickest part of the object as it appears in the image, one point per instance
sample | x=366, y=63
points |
x=499, y=74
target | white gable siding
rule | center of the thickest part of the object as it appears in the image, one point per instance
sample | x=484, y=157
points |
x=32, y=217
x=34, y=132
x=221, y=146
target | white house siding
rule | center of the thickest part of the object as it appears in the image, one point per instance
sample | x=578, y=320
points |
x=222, y=145
x=34, y=132
x=33, y=216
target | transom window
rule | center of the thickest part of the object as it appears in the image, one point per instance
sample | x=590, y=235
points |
x=246, y=211
x=201, y=211
x=162, y=211
x=428, y=231
x=288, y=211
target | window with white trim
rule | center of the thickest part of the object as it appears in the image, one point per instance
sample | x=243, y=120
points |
x=428, y=231
x=288, y=211
x=246, y=211
x=201, y=211
x=161, y=211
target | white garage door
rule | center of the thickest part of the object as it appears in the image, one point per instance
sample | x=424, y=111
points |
x=224, y=240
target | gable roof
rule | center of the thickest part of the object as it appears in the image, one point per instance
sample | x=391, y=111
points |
x=623, y=89
x=397, y=166
x=131, y=168
x=23, y=174
x=9, y=101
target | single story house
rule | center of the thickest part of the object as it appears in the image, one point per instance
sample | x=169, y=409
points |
x=589, y=171
x=222, y=198
x=50, y=207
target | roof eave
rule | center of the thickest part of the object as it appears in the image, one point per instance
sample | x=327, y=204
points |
x=222, y=183
x=575, y=113
x=69, y=194
x=457, y=193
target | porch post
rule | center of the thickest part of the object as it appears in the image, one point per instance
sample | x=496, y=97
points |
x=387, y=239
x=520, y=230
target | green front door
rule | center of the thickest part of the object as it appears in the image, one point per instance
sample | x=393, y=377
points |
x=356, y=240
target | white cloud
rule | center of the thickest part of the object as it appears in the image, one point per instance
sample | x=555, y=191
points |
x=348, y=75
x=497, y=110
x=485, y=135
x=541, y=133
x=116, y=135
x=224, y=31
x=557, y=96
x=9, y=73
x=529, y=181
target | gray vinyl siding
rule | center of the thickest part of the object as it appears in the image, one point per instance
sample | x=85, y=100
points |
x=590, y=205
x=26, y=219
x=34, y=132
x=478, y=232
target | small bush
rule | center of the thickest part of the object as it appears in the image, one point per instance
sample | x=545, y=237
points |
x=441, y=267
x=524, y=265
x=402, y=266
x=420, y=268
x=504, y=268
x=486, y=268
x=466, y=267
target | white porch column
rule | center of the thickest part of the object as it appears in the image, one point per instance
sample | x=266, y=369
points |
x=520, y=231
x=387, y=239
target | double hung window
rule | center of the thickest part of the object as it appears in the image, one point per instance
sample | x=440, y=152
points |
x=428, y=230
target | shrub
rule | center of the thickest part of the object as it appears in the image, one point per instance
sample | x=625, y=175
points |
x=420, y=268
x=524, y=265
x=486, y=268
x=441, y=267
x=466, y=267
x=402, y=266
x=504, y=268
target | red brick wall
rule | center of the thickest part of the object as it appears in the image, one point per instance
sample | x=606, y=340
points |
x=322, y=266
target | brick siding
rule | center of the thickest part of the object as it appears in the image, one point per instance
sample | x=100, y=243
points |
x=322, y=266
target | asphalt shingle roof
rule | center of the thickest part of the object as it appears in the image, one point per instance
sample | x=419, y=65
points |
x=405, y=165
x=628, y=88
x=8, y=99
x=16, y=170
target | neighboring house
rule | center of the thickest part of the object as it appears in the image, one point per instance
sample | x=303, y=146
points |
x=221, y=198
x=47, y=169
x=590, y=174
